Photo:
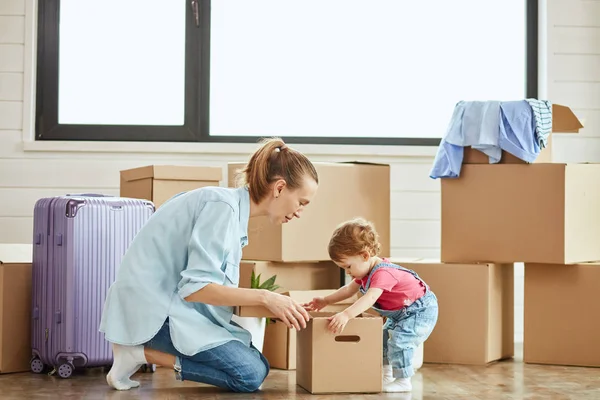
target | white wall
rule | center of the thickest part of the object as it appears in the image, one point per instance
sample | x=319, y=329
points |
x=571, y=74
x=29, y=170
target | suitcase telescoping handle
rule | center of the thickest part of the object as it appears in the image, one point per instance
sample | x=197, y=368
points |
x=88, y=195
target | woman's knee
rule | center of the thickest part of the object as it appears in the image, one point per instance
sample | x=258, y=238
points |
x=252, y=376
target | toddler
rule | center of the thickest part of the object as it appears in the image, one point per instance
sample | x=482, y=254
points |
x=395, y=292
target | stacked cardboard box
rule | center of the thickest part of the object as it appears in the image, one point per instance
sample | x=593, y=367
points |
x=475, y=322
x=562, y=314
x=15, y=307
x=346, y=190
x=545, y=215
x=158, y=183
x=297, y=254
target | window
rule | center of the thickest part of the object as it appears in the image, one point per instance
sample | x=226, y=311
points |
x=340, y=71
x=120, y=70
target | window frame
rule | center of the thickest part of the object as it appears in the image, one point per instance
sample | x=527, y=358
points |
x=197, y=80
x=47, y=126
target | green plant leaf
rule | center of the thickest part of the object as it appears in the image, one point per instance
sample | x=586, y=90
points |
x=253, y=280
x=257, y=283
x=268, y=283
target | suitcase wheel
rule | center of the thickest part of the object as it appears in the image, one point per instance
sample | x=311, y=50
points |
x=65, y=370
x=37, y=366
x=148, y=368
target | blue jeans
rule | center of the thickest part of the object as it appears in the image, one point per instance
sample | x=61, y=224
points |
x=230, y=366
x=405, y=330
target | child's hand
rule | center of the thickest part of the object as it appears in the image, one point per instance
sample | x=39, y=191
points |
x=338, y=322
x=317, y=304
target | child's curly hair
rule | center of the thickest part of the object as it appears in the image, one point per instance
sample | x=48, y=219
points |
x=353, y=237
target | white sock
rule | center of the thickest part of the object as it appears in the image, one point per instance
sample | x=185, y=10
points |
x=131, y=383
x=388, y=375
x=399, y=385
x=127, y=360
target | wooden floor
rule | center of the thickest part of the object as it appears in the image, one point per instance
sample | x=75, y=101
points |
x=504, y=380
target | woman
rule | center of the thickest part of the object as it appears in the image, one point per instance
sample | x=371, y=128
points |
x=171, y=302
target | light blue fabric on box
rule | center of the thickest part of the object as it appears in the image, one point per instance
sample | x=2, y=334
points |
x=542, y=110
x=479, y=129
x=192, y=240
x=517, y=130
x=490, y=127
x=449, y=157
x=475, y=124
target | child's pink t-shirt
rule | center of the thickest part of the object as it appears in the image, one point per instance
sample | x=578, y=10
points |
x=400, y=288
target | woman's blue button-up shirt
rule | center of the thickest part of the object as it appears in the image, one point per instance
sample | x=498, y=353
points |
x=194, y=239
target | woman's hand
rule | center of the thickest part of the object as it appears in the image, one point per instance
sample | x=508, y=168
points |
x=317, y=304
x=287, y=310
x=338, y=322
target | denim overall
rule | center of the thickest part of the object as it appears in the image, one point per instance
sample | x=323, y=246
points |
x=406, y=328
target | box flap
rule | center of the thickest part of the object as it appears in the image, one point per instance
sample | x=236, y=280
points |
x=355, y=162
x=300, y=296
x=327, y=314
x=399, y=261
x=252, y=311
x=304, y=296
x=363, y=163
x=321, y=314
x=564, y=120
x=16, y=253
x=173, y=172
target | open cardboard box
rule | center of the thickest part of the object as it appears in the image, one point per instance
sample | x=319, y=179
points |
x=350, y=362
x=300, y=296
x=280, y=341
x=563, y=121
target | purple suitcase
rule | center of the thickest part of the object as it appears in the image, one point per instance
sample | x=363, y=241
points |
x=78, y=244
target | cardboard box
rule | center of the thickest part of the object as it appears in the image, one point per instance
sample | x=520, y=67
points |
x=562, y=314
x=279, y=347
x=563, y=121
x=347, y=363
x=158, y=183
x=300, y=296
x=346, y=190
x=476, y=311
x=15, y=307
x=280, y=342
x=545, y=213
x=292, y=276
